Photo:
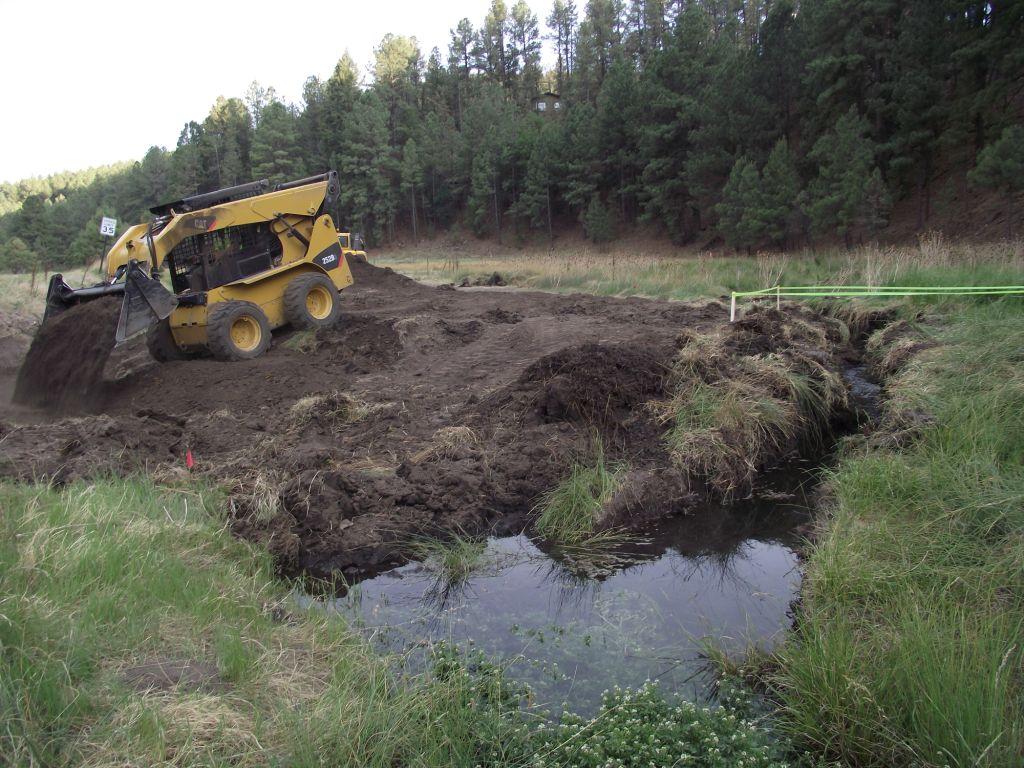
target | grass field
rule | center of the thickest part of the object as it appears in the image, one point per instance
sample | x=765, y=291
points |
x=684, y=275
x=909, y=648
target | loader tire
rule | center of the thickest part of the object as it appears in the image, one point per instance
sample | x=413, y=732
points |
x=161, y=344
x=237, y=330
x=311, y=301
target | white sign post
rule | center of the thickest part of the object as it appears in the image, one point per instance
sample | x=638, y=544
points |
x=108, y=228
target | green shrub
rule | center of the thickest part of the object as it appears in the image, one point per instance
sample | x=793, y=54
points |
x=644, y=728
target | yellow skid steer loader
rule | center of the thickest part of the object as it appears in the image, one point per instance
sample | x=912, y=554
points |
x=241, y=261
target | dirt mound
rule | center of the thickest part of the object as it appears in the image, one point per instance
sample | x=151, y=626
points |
x=361, y=343
x=65, y=363
x=368, y=276
x=596, y=383
x=93, y=446
x=423, y=410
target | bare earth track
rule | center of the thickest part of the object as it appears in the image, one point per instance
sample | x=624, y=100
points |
x=425, y=409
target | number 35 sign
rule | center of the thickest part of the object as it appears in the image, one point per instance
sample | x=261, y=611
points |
x=108, y=226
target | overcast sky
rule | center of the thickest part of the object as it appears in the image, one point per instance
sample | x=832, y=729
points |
x=88, y=84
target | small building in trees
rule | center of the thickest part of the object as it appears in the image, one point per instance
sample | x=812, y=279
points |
x=546, y=103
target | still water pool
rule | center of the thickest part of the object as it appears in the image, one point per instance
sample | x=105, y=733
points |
x=572, y=628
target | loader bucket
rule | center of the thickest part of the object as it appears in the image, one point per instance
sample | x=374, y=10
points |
x=61, y=296
x=146, y=302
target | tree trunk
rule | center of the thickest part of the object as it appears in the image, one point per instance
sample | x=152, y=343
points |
x=551, y=237
x=497, y=216
x=412, y=199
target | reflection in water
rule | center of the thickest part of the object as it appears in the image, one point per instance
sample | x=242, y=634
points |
x=724, y=572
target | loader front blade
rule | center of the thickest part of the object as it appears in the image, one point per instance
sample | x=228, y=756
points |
x=146, y=302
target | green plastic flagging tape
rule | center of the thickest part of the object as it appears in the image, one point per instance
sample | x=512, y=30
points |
x=854, y=291
x=894, y=290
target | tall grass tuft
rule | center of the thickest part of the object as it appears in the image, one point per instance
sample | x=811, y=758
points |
x=454, y=559
x=571, y=511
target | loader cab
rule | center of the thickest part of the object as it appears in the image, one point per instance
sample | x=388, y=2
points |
x=212, y=259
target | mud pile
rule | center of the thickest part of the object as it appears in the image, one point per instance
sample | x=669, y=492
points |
x=65, y=362
x=423, y=410
x=596, y=383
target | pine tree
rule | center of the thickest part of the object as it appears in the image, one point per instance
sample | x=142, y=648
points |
x=537, y=200
x=224, y=145
x=780, y=195
x=563, y=22
x=441, y=153
x=524, y=48
x=581, y=156
x=670, y=85
x=598, y=221
x=335, y=103
x=397, y=73
x=17, y=256
x=741, y=203
x=618, y=120
x=256, y=99
x=848, y=194
x=1001, y=167
x=412, y=173
x=492, y=48
x=599, y=42
x=366, y=201
x=32, y=224
x=276, y=152
x=482, y=192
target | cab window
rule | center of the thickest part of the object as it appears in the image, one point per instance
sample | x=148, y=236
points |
x=343, y=239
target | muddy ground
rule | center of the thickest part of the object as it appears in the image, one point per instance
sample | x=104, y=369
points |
x=425, y=409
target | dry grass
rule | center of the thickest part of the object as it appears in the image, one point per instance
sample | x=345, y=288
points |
x=448, y=443
x=329, y=409
x=646, y=268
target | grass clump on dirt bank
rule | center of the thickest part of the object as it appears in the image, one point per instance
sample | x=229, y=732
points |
x=135, y=630
x=570, y=513
x=329, y=410
x=908, y=649
x=730, y=416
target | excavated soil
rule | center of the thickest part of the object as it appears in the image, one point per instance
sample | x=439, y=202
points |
x=424, y=410
x=64, y=364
